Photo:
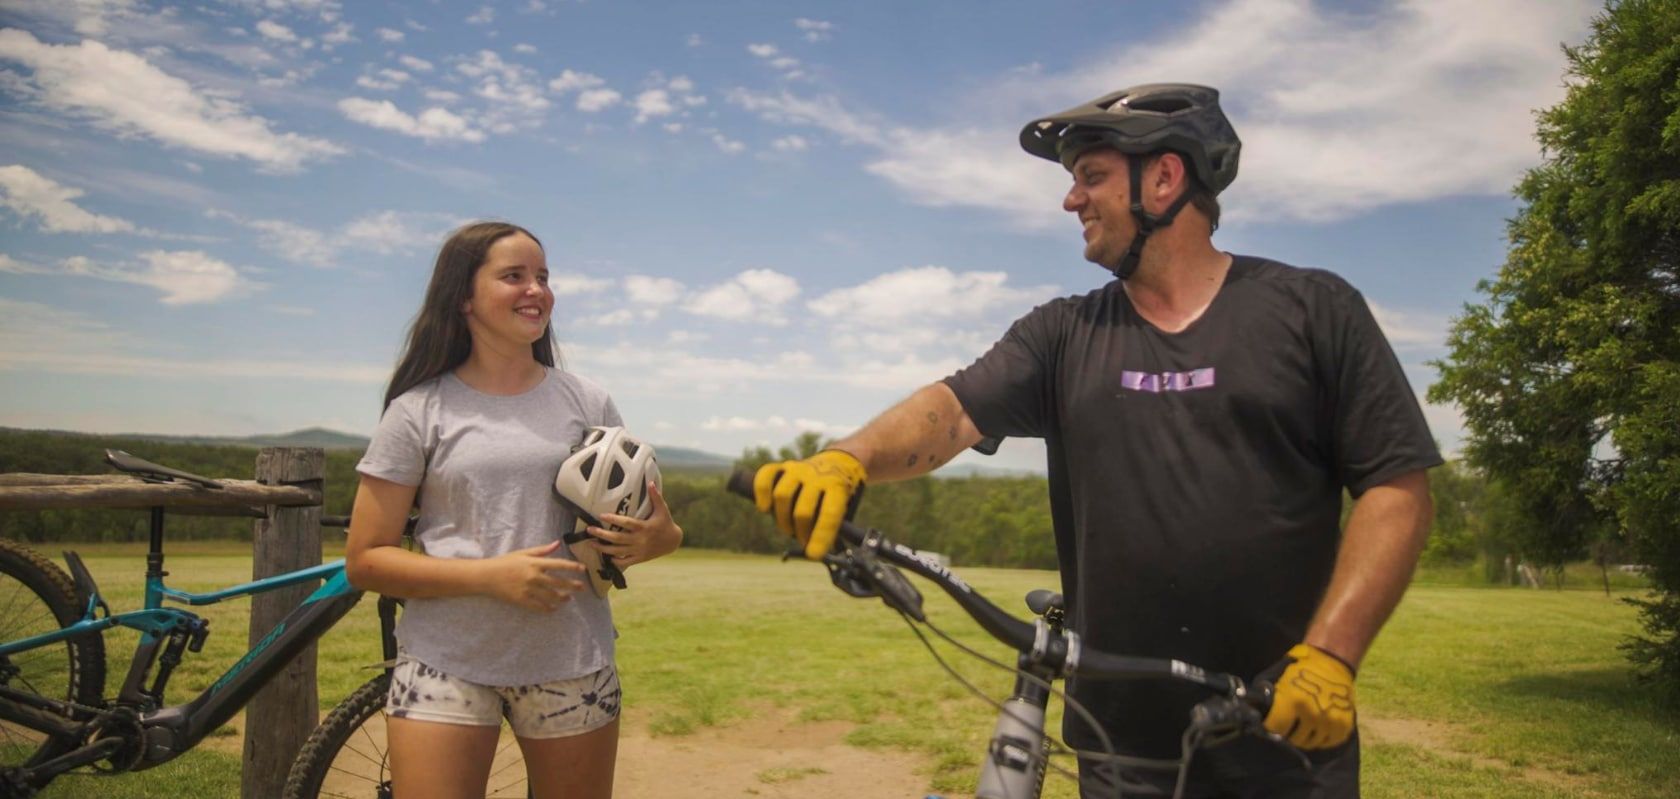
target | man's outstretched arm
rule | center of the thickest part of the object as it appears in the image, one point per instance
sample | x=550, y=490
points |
x=809, y=497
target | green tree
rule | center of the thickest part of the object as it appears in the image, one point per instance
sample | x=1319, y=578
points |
x=1568, y=373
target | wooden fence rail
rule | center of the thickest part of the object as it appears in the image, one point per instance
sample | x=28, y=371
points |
x=285, y=501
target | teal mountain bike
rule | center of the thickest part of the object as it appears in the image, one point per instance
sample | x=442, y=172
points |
x=54, y=714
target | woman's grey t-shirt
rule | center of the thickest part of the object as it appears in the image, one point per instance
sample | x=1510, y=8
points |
x=485, y=465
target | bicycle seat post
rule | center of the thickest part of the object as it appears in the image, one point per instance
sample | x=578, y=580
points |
x=154, y=561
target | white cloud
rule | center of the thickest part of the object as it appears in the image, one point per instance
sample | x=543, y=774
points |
x=389, y=35
x=121, y=92
x=387, y=232
x=773, y=424
x=341, y=33
x=815, y=30
x=566, y=285
x=386, y=80
x=681, y=84
x=276, y=32
x=791, y=143
x=292, y=241
x=31, y=195
x=383, y=232
x=13, y=266
x=415, y=63
x=694, y=40
x=645, y=290
x=433, y=124
x=525, y=49
x=593, y=100
x=90, y=18
x=441, y=96
x=184, y=277
x=927, y=292
x=616, y=318
x=825, y=113
x=570, y=80
x=788, y=65
x=752, y=295
x=593, y=96
x=653, y=103
x=1411, y=331
x=483, y=16
x=726, y=144
x=1339, y=113
x=515, y=91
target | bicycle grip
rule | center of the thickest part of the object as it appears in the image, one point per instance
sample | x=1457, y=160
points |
x=741, y=483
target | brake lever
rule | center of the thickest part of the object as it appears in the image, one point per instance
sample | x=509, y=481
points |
x=850, y=576
x=895, y=590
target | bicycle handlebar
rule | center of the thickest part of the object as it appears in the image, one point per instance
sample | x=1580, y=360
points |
x=1062, y=652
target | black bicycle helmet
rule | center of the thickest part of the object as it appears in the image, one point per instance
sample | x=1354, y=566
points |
x=1181, y=117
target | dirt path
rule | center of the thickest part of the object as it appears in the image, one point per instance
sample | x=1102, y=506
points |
x=772, y=756
x=1437, y=737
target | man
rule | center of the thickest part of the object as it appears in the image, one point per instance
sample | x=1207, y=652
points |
x=1203, y=413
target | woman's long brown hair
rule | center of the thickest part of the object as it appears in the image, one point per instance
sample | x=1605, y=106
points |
x=438, y=341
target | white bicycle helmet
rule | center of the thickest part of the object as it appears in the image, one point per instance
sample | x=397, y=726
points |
x=607, y=472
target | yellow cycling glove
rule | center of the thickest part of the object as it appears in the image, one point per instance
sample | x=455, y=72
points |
x=1313, y=702
x=809, y=497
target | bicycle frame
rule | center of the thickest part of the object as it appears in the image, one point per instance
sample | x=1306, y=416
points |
x=864, y=563
x=167, y=732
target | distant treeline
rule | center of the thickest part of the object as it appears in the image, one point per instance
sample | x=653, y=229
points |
x=987, y=521
x=60, y=453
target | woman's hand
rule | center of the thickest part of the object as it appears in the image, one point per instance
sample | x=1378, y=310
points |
x=530, y=578
x=641, y=540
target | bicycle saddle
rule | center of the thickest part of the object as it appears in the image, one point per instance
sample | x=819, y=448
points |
x=152, y=472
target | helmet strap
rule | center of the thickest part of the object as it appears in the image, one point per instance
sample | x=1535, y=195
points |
x=1147, y=223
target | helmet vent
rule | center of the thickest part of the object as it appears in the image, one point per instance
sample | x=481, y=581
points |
x=1159, y=105
x=588, y=467
x=629, y=447
x=615, y=478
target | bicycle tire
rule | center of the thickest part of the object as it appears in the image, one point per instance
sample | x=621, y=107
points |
x=36, y=597
x=346, y=756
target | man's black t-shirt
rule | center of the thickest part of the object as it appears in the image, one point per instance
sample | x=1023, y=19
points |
x=1196, y=477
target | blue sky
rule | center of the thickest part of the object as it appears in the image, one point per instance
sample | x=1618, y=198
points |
x=762, y=217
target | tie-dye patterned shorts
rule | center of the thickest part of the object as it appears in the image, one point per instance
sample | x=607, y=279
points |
x=545, y=710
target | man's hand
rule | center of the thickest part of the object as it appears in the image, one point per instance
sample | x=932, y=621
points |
x=809, y=497
x=1313, y=702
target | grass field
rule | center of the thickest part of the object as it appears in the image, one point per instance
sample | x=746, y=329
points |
x=1469, y=693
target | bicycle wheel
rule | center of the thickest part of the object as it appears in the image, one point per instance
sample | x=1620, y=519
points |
x=36, y=597
x=346, y=755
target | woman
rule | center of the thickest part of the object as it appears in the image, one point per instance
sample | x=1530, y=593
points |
x=499, y=621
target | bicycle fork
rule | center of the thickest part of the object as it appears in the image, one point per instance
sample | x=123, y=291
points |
x=1019, y=752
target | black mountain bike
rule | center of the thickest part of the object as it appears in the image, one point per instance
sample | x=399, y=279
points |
x=865, y=563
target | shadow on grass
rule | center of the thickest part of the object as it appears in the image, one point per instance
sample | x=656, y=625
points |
x=1612, y=690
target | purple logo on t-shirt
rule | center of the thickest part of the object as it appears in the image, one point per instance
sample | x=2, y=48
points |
x=1157, y=382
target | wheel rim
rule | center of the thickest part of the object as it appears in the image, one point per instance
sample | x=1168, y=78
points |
x=47, y=671
x=361, y=768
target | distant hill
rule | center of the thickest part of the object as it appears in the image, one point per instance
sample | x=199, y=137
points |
x=692, y=460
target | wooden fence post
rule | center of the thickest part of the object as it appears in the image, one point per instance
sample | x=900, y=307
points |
x=281, y=715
